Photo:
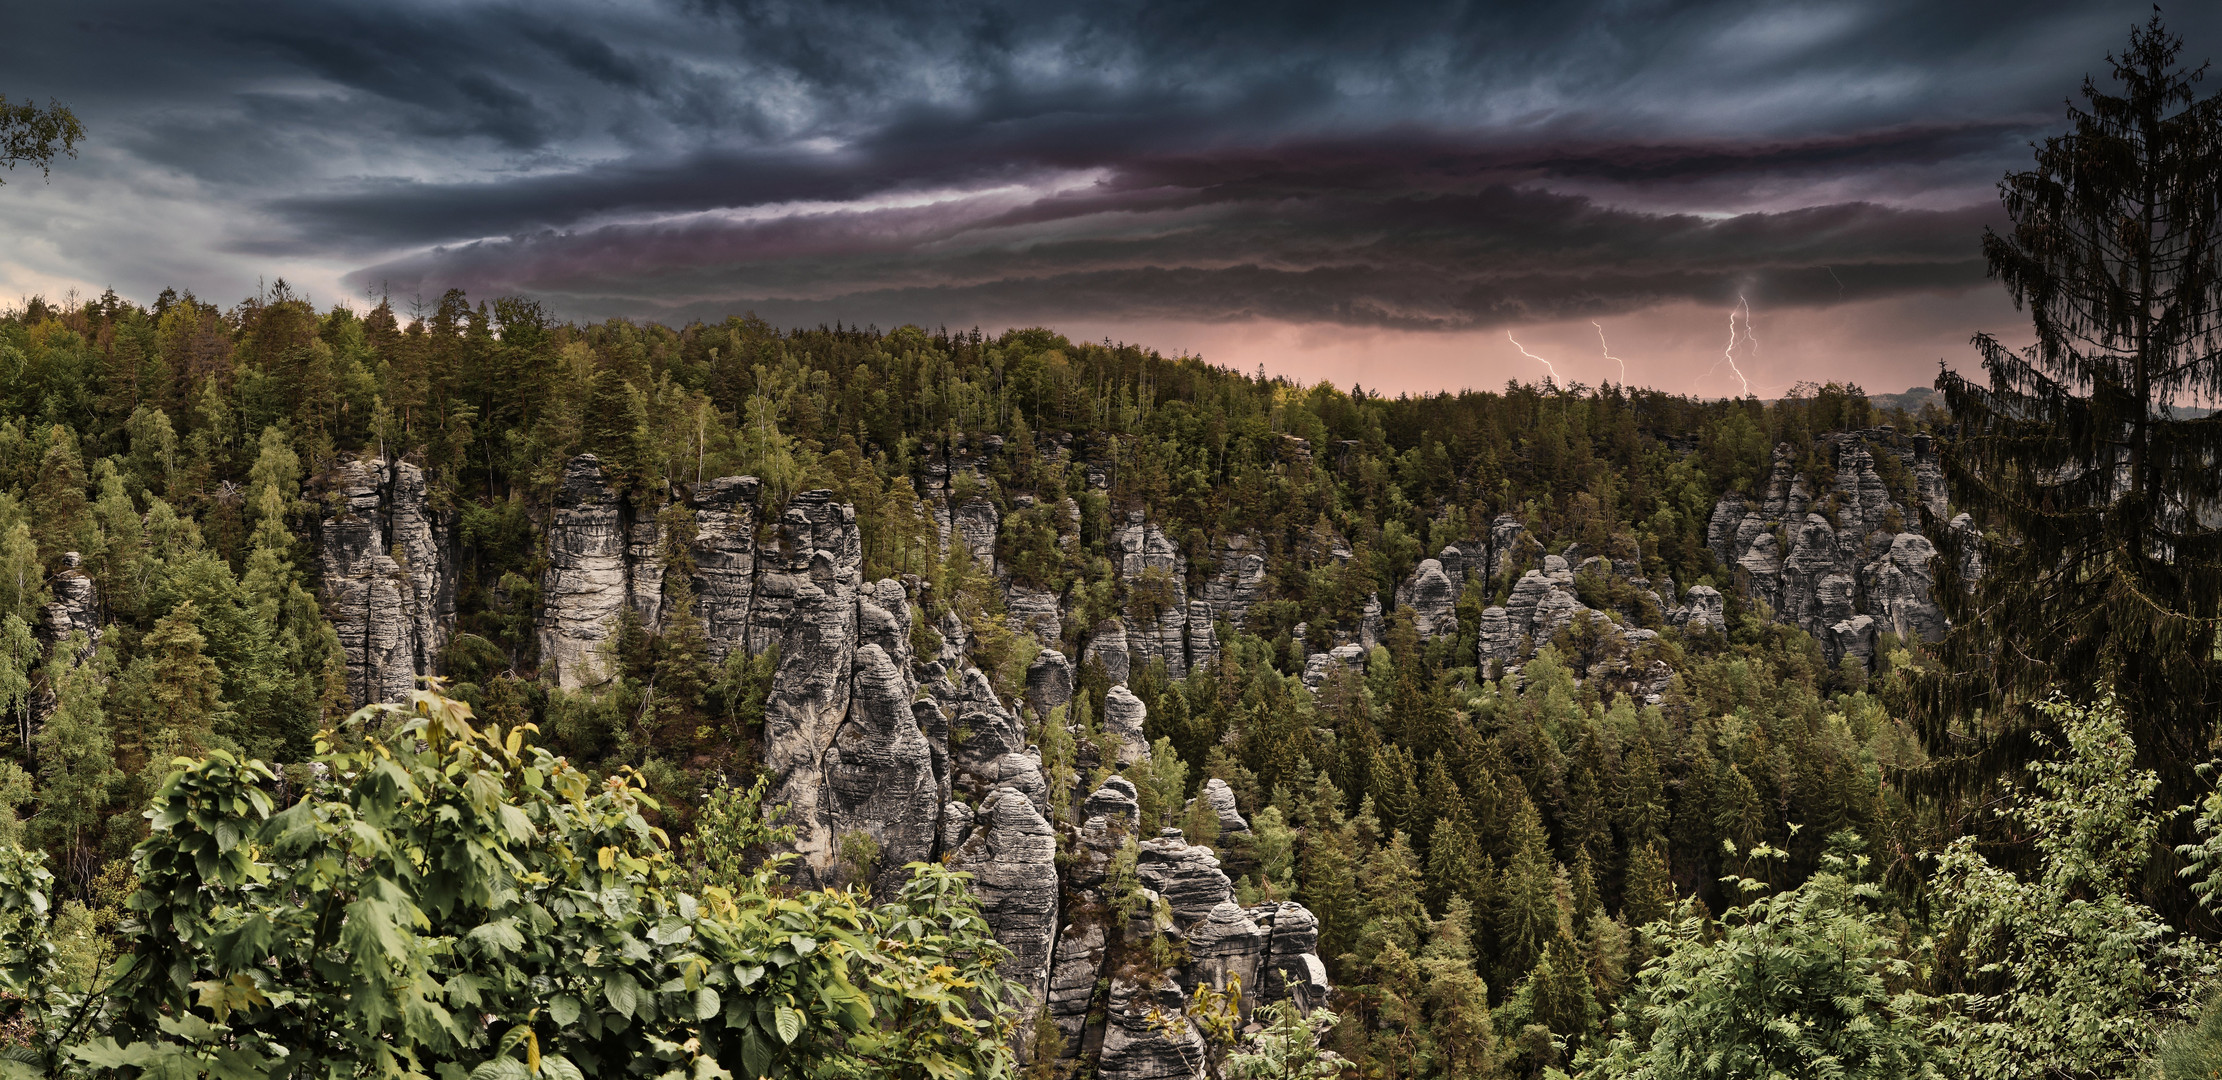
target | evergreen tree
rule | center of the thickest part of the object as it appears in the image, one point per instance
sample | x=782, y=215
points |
x=1458, y=1000
x=1391, y=888
x=1650, y=891
x=1528, y=912
x=60, y=515
x=2097, y=502
x=1396, y=790
x=171, y=694
x=76, y=760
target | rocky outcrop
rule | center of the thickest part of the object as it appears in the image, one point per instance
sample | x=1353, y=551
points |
x=1156, y=616
x=1292, y=968
x=1703, y=607
x=1123, y=717
x=974, y=525
x=1432, y=594
x=724, y=552
x=878, y=777
x=386, y=577
x=1034, y=612
x=1147, y=1035
x=1221, y=797
x=1108, y=647
x=1351, y=657
x=1187, y=876
x=1500, y=639
x=1238, y=583
x=1049, y=681
x=588, y=581
x=74, y=607
x=1012, y=857
x=1825, y=560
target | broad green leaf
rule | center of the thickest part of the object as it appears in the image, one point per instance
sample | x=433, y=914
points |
x=706, y=1003
x=790, y=1024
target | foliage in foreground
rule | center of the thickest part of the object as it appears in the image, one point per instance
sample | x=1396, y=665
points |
x=2056, y=972
x=449, y=901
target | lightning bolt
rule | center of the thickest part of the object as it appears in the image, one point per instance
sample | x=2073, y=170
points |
x=1553, y=377
x=1728, y=354
x=1608, y=352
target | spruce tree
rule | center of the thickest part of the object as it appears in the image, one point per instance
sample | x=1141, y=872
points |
x=76, y=760
x=1528, y=912
x=2100, y=505
x=1458, y=1000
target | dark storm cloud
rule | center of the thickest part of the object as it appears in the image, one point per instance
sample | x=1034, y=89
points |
x=1435, y=166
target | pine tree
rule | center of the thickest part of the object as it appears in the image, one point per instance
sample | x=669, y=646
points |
x=1558, y=994
x=61, y=518
x=1390, y=886
x=1395, y=791
x=1642, y=802
x=172, y=692
x=1587, y=822
x=1327, y=868
x=1650, y=891
x=1528, y=911
x=2097, y=502
x=76, y=760
x=1456, y=866
x=1458, y=1000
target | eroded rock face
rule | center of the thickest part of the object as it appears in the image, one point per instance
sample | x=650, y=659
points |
x=1292, y=968
x=1123, y=716
x=1049, y=681
x=587, y=583
x=1034, y=612
x=1825, y=564
x=1227, y=945
x=1156, y=575
x=1138, y=1047
x=1012, y=857
x=386, y=578
x=1239, y=582
x=879, y=778
x=975, y=524
x=1432, y=595
x=1186, y=875
x=1108, y=647
x=74, y=607
x=1705, y=607
x=1319, y=666
x=1221, y=797
x=1499, y=640
x=725, y=559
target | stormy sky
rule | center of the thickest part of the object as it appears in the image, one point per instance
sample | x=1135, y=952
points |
x=1700, y=196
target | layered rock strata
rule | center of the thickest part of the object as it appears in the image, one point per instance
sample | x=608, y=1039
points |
x=1840, y=561
x=386, y=577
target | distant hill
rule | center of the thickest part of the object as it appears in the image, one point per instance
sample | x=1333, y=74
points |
x=1917, y=396
x=1911, y=401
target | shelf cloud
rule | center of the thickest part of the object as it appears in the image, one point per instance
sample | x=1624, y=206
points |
x=1442, y=169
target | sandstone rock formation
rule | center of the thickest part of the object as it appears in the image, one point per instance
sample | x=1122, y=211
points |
x=1156, y=575
x=724, y=553
x=1825, y=559
x=588, y=581
x=1012, y=857
x=1432, y=594
x=1123, y=716
x=386, y=576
